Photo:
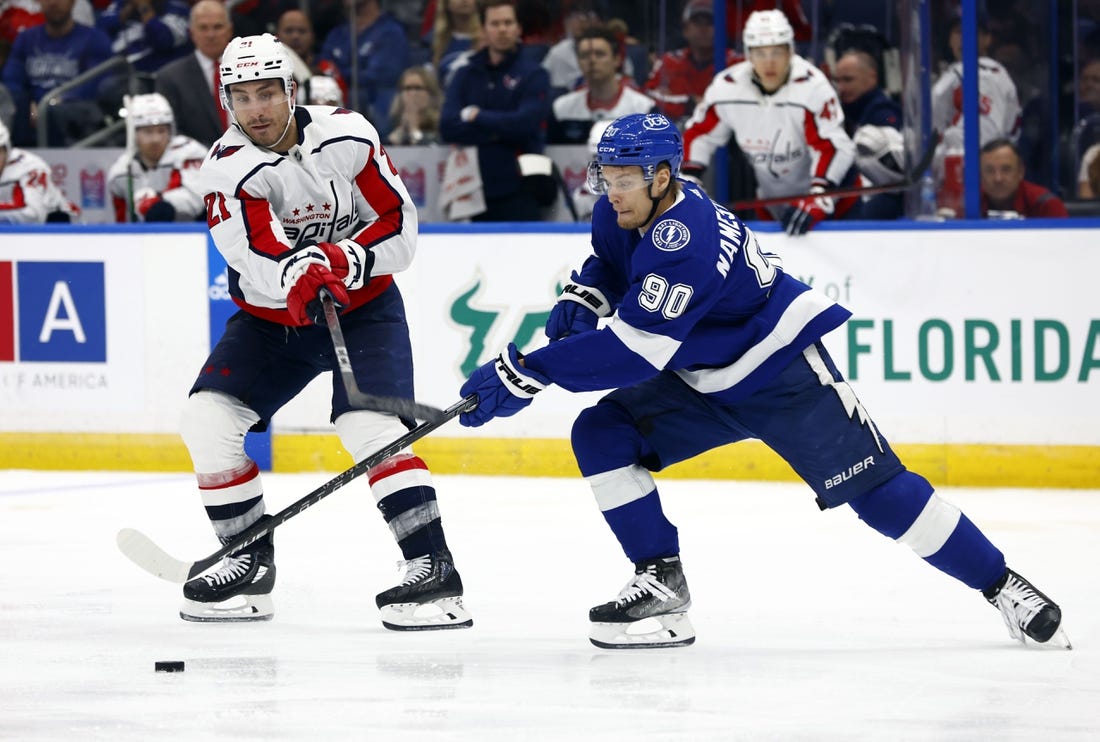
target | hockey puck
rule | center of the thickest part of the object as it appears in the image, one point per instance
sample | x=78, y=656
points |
x=173, y=666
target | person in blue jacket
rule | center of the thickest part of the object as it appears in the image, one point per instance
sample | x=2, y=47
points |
x=707, y=341
x=499, y=102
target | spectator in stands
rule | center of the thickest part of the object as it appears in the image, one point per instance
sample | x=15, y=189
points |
x=605, y=94
x=455, y=31
x=382, y=54
x=787, y=121
x=416, y=108
x=499, y=103
x=27, y=193
x=680, y=77
x=561, y=61
x=295, y=30
x=45, y=57
x=873, y=120
x=154, y=29
x=1005, y=193
x=156, y=180
x=190, y=83
x=15, y=15
x=998, y=105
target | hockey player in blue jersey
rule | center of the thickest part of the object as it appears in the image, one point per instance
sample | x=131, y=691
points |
x=707, y=341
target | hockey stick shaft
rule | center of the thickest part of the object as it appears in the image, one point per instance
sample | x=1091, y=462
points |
x=405, y=408
x=911, y=179
x=143, y=552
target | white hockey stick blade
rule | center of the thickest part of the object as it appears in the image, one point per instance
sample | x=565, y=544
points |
x=140, y=549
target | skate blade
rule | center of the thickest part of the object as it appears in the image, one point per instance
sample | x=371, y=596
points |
x=656, y=632
x=1059, y=641
x=236, y=609
x=444, y=613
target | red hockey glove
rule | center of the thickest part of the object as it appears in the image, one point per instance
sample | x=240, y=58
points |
x=303, y=300
x=805, y=214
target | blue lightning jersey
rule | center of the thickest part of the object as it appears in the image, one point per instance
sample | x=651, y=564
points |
x=695, y=295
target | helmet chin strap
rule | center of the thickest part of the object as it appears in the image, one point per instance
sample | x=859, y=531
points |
x=656, y=201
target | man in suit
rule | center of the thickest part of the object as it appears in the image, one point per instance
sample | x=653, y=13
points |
x=182, y=81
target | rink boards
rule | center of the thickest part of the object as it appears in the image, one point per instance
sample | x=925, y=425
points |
x=976, y=348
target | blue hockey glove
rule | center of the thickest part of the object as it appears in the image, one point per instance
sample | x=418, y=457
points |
x=503, y=388
x=577, y=310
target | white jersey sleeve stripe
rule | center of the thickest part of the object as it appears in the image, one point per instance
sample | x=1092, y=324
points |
x=657, y=350
x=801, y=312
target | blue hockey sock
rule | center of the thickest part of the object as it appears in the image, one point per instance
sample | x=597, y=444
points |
x=643, y=530
x=906, y=509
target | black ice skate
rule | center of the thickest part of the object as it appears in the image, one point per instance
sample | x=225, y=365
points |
x=239, y=590
x=1027, y=611
x=650, y=612
x=429, y=597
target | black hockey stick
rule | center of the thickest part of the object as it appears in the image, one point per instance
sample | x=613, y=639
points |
x=406, y=408
x=141, y=550
x=911, y=179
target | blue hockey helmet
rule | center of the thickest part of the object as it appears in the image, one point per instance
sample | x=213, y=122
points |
x=644, y=139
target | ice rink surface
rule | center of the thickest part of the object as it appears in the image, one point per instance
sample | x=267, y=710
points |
x=810, y=626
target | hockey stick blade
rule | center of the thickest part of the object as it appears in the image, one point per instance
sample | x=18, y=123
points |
x=912, y=178
x=406, y=408
x=142, y=551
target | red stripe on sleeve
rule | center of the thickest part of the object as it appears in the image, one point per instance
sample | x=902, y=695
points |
x=383, y=199
x=257, y=225
x=710, y=120
x=824, y=146
x=175, y=180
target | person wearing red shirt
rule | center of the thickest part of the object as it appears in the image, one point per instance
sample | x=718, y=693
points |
x=1005, y=193
x=680, y=77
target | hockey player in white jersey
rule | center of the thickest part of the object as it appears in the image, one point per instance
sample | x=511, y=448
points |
x=708, y=341
x=156, y=179
x=300, y=200
x=27, y=194
x=787, y=121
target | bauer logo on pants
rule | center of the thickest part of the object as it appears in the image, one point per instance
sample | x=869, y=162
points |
x=52, y=312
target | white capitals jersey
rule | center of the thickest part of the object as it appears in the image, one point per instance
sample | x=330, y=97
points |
x=337, y=183
x=998, y=104
x=175, y=178
x=794, y=137
x=27, y=195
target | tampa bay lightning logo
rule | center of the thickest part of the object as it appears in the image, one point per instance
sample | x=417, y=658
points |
x=655, y=122
x=670, y=235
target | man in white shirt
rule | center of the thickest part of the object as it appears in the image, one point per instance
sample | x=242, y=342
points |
x=605, y=95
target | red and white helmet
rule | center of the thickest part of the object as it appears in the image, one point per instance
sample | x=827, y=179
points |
x=768, y=28
x=250, y=58
x=151, y=109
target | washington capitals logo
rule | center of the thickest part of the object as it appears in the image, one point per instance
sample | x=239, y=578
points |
x=226, y=151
